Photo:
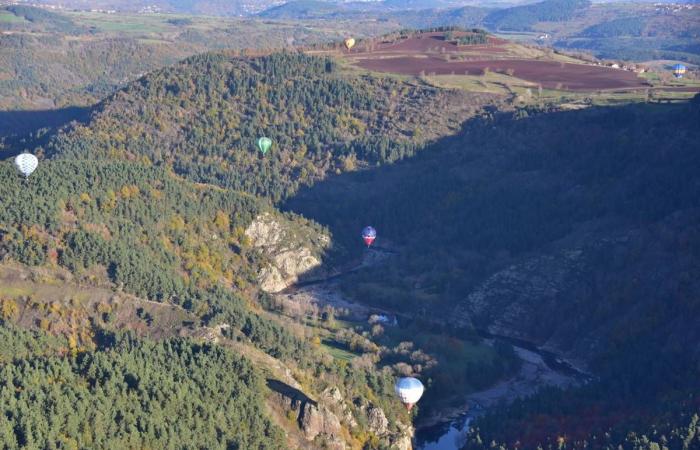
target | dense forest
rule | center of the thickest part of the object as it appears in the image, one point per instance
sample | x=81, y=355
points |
x=131, y=394
x=203, y=116
x=139, y=228
x=629, y=26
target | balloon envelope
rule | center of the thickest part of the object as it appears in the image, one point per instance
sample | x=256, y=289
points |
x=26, y=163
x=349, y=43
x=264, y=144
x=679, y=70
x=369, y=234
x=409, y=390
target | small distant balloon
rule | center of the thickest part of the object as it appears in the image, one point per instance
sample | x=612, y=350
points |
x=349, y=43
x=26, y=163
x=264, y=144
x=409, y=390
x=369, y=234
x=679, y=70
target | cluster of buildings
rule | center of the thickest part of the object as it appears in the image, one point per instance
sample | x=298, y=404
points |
x=675, y=7
x=150, y=9
x=631, y=67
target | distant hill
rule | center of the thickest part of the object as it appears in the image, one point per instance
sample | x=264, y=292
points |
x=43, y=66
x=303, y=9
x=387, y=10
x=521, y=18
x=465, y=17
x=21, y=17
x=207, y=7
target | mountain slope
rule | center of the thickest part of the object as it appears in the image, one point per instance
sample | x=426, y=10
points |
x=576, y=231
x=202, y=118
x=523, y=17
x=107, y=212
x=513, y=194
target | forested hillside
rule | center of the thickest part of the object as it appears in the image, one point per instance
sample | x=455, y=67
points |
x=139, y=228
x=52, y=60
x=142, y=231
x=131, y=261
x=90, y=250
x=202, y=117
x=132, y=394
x=523, y=17
x=110, y=208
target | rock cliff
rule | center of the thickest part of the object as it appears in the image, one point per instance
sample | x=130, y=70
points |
x=593, y=288
x=327, y=423
x=293, y=250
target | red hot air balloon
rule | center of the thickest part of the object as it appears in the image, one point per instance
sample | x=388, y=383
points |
x=369, y=234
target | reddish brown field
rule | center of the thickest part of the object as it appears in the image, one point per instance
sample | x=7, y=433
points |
x=431, y=42
x=548, y=74
x=430, y=54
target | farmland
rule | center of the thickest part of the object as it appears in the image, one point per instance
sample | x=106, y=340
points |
x=433, y=54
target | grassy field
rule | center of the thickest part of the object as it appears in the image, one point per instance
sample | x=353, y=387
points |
x=491, y=82
x=337, y=351
x=143, y=23
x=9, y=18
x=526, y=92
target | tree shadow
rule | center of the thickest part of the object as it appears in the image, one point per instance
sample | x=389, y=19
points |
x=536, y=172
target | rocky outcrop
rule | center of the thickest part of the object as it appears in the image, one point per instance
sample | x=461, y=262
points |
x=593, y=287
x=403, y=440
x=321, y=423
x=397, y=437
x=377, y=421
x=315, y=420
x=290, y=247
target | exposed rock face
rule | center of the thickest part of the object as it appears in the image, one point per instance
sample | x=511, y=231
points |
x=591, y=288
x=377, y=421
x=402, y=442
x=317, y=420
x=290, y=250
x=321, y=423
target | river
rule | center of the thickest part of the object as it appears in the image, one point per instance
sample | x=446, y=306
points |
x=447, y=431
x=539, y=368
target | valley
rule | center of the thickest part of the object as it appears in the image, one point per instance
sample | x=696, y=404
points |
x=168, y=281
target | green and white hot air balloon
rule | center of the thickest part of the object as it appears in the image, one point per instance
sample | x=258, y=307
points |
x=264, y=144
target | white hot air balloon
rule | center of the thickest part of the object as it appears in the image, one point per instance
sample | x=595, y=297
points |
x=409, y=391
x=26, y=163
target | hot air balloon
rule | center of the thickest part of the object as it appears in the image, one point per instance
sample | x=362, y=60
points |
x=409, y=390
x=369, y=234
x=679, y=70
x=349, y=43
x=264, y=144
x=26, y=163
